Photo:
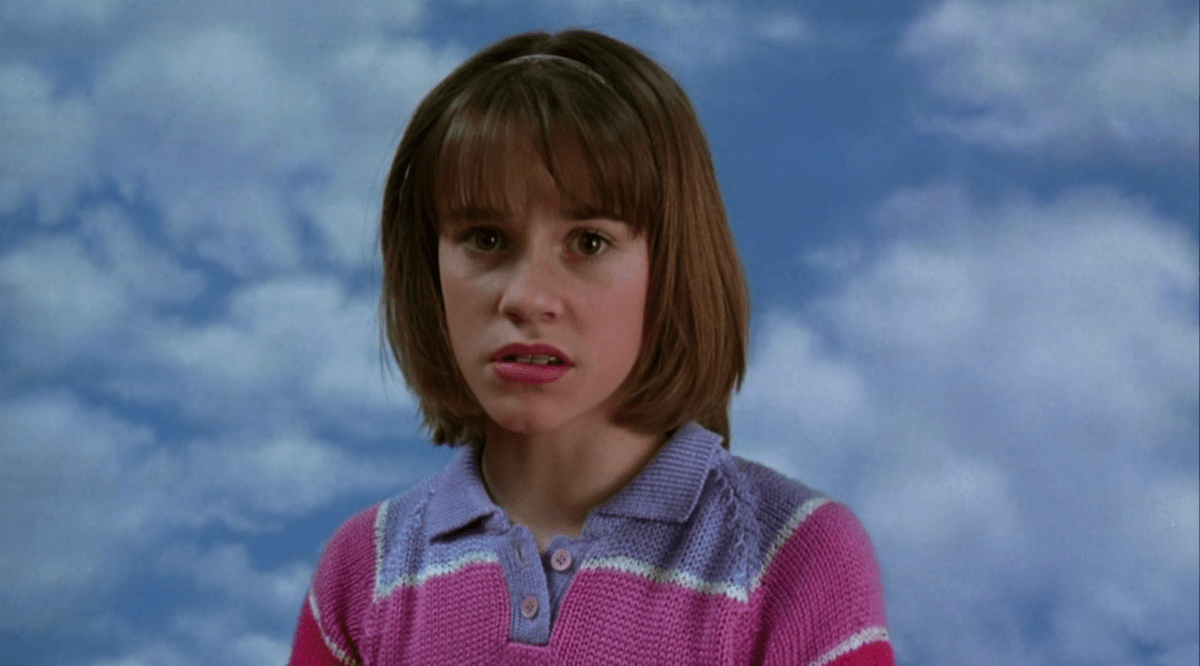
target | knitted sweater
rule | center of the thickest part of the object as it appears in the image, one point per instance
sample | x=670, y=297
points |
x=703, y=558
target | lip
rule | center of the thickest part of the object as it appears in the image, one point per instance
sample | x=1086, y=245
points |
x=530, y=373
x=535, y=349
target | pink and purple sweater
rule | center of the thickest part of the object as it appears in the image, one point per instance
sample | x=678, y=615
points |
x=704, y=558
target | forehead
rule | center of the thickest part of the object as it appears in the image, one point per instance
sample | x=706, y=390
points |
x=530, y=131
x=508, y=182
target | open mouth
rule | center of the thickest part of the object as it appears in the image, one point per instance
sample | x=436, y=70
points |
x=536, y=360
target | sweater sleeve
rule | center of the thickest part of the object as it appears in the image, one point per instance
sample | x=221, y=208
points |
x=310, y=647
x=822, y=596
x=334, y=612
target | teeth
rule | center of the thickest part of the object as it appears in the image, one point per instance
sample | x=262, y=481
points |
x=538, y=359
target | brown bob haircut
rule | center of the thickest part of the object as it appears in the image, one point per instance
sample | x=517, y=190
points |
x=620, y=139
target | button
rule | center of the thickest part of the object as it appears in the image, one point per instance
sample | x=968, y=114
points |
x=561, y=559
x=529, y=607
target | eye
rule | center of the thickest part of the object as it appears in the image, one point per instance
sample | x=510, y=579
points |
x=484, y=239
x=590, y=243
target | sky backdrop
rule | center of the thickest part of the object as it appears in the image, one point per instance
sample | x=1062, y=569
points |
x=970, y=229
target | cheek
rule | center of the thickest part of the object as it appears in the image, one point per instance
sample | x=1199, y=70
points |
x=454, y=305
x=625, y=314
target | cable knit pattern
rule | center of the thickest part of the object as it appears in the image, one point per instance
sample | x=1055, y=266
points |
x=703, y=559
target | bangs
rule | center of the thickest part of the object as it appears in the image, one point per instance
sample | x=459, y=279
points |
x=520, y=117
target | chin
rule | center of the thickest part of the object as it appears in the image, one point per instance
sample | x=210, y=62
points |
x=524, y=423
x=532, y=422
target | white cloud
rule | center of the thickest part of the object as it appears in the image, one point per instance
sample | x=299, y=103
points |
x=797, y=384
x=228, y=572
x=239, y=138
x=72, y=295
x=245, y=478
x=214, y=125
x=60, y=302
x=287, y=351
x=235, y=124
x=68, y=524
x=224, y=641
x=1078, y=75
x=85, y=524
x=59, y=12
x=256, y=649
x=158, y=655
x=46, y=143
x=1007, y=395
x=1083, y=298
x=238, y=614
x=372, y=86
x=145, y=273
x=691, y=33
x=782, y=27
x=223, y=637
x=308, y=28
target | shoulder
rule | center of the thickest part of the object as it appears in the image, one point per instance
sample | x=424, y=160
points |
x=332, y=621
x=816, y=571
x=776, y=498
x=346, y=573
x=776, y=504
x=801, y=527
x=351, y=545
x=355, y=544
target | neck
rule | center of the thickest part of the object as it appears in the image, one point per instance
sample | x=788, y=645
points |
x=550, y=481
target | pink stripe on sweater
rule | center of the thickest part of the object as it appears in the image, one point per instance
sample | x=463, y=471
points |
x=457, y=619
x=872, y=654
x=343, y=594
x=309, y=647
x=822, y=588
x=653, y=623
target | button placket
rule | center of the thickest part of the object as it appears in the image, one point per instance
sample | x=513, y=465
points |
x=527, y=590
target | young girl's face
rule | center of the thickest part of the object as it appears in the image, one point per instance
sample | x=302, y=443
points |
x=539, y=275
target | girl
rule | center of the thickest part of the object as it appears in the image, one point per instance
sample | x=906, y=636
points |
x=563, y=295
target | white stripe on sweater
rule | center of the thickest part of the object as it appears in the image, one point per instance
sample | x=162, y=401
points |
x=655, y=574
x=336, y=651
x=869, y=635
x=692, y=582
x=437, y=570
x=789, y=528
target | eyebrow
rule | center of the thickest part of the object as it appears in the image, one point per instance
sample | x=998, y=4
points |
x=590, y=213
x=472, y=213
x=454, y=217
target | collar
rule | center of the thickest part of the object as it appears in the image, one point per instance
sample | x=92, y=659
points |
x=667, y=489
x=459, y=497
x=669, y=486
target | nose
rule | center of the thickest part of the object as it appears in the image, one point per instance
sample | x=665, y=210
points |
x=533, y=291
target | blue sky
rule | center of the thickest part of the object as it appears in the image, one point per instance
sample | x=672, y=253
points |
x=970, y=229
